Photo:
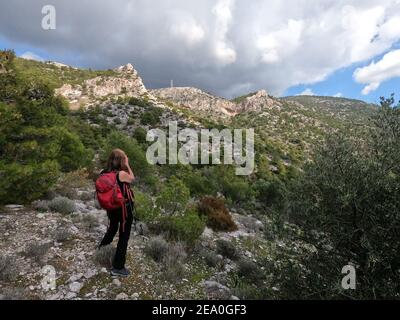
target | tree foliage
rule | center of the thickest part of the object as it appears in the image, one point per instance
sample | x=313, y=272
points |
x=351, y=193
x=35, y=143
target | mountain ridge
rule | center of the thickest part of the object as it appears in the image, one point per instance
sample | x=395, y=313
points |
x=126, y=81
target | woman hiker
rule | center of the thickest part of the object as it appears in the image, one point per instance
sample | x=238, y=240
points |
x=120, y=219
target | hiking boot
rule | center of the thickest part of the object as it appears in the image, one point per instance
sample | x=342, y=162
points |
x=120, y=272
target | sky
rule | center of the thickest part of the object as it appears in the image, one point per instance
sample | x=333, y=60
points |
x=343, y=48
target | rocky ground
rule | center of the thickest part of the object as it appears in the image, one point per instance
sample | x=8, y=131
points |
x=36, y=239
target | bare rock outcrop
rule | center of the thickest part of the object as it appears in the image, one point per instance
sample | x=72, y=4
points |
x=125, y=82
x=258, y=102
x=196, y=99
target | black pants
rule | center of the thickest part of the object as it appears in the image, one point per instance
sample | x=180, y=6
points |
x=115, y=218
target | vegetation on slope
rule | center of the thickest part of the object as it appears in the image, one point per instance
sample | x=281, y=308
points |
x=342, y=207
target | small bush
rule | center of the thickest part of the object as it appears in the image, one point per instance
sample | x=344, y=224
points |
x=174, y=262
x=130, y=122
x=218, y=216
x=36, y=251
x=210, y=258
x=86, y=196
x=74, y=179
x=247, y=291
x=62, y=235
x=156, y=248
x=8, y=268
x=140, y=135
x=104, y=256
x=42, y=175
x=249, y=270
x=62, y=205
x=151, y=117
x=41, y=205
x=173, y=197
x=251, y=223
x=187, y=227
x=68, y=193
x=227, y=249
x=176, y=253
x=89, y=222
x=145, y=210
x=139, y=102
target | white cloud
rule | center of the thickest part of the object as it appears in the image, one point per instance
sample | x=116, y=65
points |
x=377, y=72
x=31, y=56
x=275, y=45
x=185, y=28
x=215, y=45
x=338, y=95
x=188, y=31
x=307, y=92
x=224, y=52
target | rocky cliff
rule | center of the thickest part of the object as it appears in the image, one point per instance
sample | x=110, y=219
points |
x=125, y=81
x=196, y=99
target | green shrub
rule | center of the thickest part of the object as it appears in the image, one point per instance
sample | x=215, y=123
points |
x=151, y=117
x=233, y=187
x=145, y=210
x=187, y=227
x=130, y=122
x=218, y=216
x=210, y=258
x=139, y=102
x=24, y=183
x=8, y=78
x=350, y=192
x=198, y=183
x=72, y=153
x=173, y=197
x=73, y=180
x=249, y=270
x=156, y=248
x=62, y=205
x=248, y=291
x=271, y=193
x=227, y=249
x=35, y=143
x=140, y=135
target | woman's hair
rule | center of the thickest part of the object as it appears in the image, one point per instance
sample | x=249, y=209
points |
x=115, y=160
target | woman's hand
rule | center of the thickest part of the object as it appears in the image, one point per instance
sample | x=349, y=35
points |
x=127, y=176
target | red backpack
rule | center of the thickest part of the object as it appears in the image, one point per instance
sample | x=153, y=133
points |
x=108, y=192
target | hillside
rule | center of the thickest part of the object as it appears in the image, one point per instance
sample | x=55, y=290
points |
x=346, y=110
x=202, y=231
